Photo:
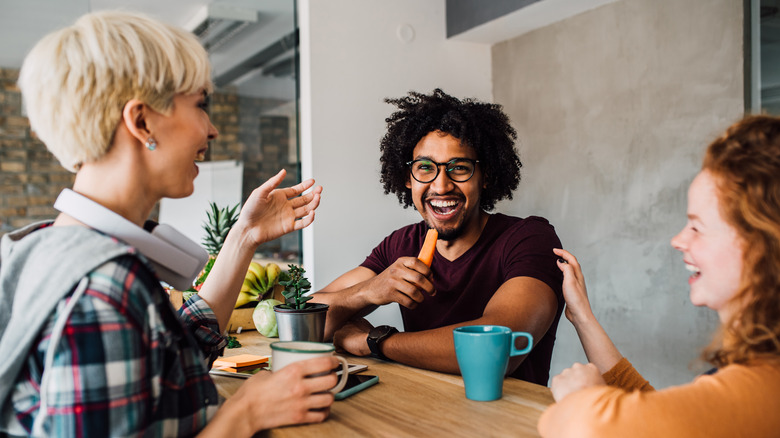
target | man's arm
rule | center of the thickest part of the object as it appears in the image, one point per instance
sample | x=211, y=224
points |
x=521, y=303
x=359, y=291
x=343, y=299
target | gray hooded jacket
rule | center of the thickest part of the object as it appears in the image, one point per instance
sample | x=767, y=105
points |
x=38, y=269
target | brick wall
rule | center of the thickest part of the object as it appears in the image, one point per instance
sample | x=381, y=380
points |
x=247, y=132
x=31, y=178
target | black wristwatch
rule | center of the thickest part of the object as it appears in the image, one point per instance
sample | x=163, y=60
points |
x=376, y=336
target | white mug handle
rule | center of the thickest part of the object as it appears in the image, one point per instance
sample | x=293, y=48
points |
x=344, y=375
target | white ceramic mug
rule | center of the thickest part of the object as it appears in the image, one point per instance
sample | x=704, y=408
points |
x=284, y=353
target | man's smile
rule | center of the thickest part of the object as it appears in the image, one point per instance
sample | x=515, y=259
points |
x=444, y=207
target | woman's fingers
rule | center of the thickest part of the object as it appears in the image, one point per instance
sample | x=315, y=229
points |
x=566, y=256
x=304, y=222
x=569, y=265
x=317, y=416
x=303, y=212
x=308, y=202
x=273, y=182
x=292, y=192
x=323, y=383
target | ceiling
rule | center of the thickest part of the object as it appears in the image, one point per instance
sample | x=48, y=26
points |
x=255, y=49
x=263, y=48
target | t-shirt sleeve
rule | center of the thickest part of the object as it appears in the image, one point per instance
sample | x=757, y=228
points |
x=389, y=250
x=529, y=253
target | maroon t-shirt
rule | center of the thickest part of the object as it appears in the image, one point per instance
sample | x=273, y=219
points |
x=508, y=247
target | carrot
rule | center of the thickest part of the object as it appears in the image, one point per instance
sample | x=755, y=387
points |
x=429, y=247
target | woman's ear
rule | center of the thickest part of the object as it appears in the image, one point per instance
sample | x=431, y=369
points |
x=134, y=118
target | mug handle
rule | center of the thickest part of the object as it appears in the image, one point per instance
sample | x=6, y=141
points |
x=344, y=375
x=514, y=351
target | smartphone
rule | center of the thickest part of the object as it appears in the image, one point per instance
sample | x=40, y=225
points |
x=352, y=369
x=355, y=384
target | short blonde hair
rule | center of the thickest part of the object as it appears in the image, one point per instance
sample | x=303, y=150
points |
x=76, y=81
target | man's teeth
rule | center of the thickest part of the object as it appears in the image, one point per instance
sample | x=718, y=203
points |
x=200, y=157
x=442, y=204
x=693, y=269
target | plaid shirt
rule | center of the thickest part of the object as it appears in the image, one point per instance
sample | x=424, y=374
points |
x=125, y=365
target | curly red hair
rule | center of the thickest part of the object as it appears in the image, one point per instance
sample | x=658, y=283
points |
x=745, y=162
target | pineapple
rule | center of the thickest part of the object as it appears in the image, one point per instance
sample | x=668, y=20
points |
x=219, y=223
x=217, y=227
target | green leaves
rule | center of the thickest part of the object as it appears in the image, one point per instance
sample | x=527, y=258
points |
x=233, y=342
x=218, y=225
x=295, y=287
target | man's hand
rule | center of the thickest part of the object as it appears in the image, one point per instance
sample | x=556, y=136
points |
x=352, y=336
x=573, y=379
x=405, y=282
x=359, y=291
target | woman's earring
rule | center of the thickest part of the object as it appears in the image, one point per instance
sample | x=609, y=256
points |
x=150, y=144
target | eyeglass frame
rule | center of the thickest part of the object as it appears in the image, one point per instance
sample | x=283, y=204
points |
x=438, y=169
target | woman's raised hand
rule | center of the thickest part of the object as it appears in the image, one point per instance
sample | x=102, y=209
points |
x=270, y=212
x=574, y=290
x=599, y=348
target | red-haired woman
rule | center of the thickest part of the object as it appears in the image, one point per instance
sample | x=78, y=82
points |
x=731, y=245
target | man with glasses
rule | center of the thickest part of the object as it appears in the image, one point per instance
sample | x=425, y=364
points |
x=452, y=160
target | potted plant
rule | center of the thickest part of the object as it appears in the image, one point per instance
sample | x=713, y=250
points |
x=296, y=319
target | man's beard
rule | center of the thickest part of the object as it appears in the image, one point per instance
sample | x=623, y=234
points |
x=450, y=234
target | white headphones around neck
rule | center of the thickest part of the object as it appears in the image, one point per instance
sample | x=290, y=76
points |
x=177, y=260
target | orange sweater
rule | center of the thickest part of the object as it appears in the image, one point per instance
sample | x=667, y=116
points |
x=738, y=400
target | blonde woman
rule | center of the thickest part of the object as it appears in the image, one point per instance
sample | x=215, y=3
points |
x=731, y=246
x=90, y=343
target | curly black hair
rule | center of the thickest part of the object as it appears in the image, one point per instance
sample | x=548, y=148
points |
x=482, y=126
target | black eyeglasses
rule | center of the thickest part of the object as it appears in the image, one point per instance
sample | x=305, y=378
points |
x=458, y=169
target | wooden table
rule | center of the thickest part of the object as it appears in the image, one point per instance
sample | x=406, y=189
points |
x=411, y=402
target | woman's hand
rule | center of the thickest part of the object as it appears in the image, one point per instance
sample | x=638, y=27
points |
x=281, y=398
x=574, y=290
x=599, y=348
x=573, y=379
x=270, y=213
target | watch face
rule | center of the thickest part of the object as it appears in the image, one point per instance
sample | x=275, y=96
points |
x=381, y=332
x=377, y=332
x=376, y=336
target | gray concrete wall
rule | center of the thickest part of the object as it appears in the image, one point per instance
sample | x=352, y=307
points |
x=614, y=108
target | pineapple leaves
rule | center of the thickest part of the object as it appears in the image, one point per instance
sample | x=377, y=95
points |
x=219, y=223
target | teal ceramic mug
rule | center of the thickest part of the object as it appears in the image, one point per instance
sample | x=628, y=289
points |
x=483, y=353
